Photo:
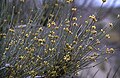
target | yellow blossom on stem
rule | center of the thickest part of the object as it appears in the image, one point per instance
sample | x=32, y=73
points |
x=67, y=57
x=74, y=9
x=110, y=24
x=53, y=23
x=103, y=1
x=93, y=18
x=11, y=30
x=6, y=49
x=93, y=27
x=74, y=18
x=118, y=16
x=107, y=36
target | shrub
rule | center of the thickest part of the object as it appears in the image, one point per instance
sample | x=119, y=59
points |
x=61, y=49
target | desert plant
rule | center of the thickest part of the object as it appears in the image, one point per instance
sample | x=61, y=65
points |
x=61, y=49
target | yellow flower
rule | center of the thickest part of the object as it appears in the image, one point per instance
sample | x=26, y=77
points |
x=54, y=73
x=93, y=32
x=74, y=42
x=90, y=47
x=32, y=49
x=74, y=9
x=91, y=38
x=95, y=54
x=11, y=30
x=97, y=41
x=69, y=1
x=110, y=24
x=53, y=23
x=49, y=25
x=51, y=15
x=107, y=36
x=93, y=17
x=56, y=4
x=75, y=24
x=40, y=29
x=69, y=47
x=22, y=0
x=106, y=59
x=26, y=48
x=80, y=47
x=21, y=57
x=112, y=50
x=6, y=49
x=67, y=57
x=26, y=35
x=74, y=18
x=118, y=16
x=46, y=63
x=56, y=27
x=66, y=29
x=67, y=21
x=103, y=1
x=52, y=32
x=93, y=27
